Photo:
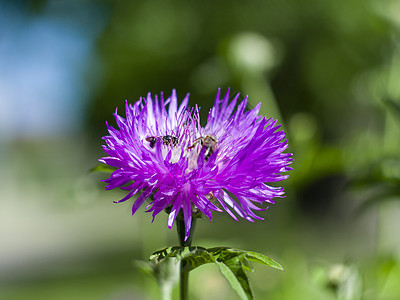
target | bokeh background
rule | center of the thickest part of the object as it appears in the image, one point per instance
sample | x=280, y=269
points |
x=328, y=70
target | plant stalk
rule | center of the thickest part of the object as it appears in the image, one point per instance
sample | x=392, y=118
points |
x=184, y=275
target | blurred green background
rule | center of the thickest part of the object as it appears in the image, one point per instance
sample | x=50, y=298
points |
x=328, y=70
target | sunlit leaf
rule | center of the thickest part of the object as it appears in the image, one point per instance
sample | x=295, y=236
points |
x=262, y=259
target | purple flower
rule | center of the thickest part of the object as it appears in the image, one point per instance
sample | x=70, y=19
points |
x=162, y=151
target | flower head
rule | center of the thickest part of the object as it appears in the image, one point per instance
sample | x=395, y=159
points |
x=162, y=151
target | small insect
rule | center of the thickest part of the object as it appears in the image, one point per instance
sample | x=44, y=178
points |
x=169, y=139
x=208, y=142
x=166, y=139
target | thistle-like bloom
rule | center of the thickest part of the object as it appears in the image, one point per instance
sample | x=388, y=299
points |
x=162, y=152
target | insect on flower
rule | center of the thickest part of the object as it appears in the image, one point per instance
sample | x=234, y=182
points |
x=243, y=157
x=166, y=139
x=209, y=143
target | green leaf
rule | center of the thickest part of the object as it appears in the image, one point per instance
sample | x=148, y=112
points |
x=247, y=265
x=237, y=278
x=192, y=257
x=233, y=258
x=226, y=254
x=160, y=255
x=102, y=168
x=262, y=259
x=229, y=253
x=216, y=251
x=196, y=258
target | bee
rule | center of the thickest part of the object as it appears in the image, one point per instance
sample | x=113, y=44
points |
x=166, y=139
x=209, y=143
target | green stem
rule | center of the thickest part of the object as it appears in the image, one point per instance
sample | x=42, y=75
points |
x=184, y=275
x=183, y=284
